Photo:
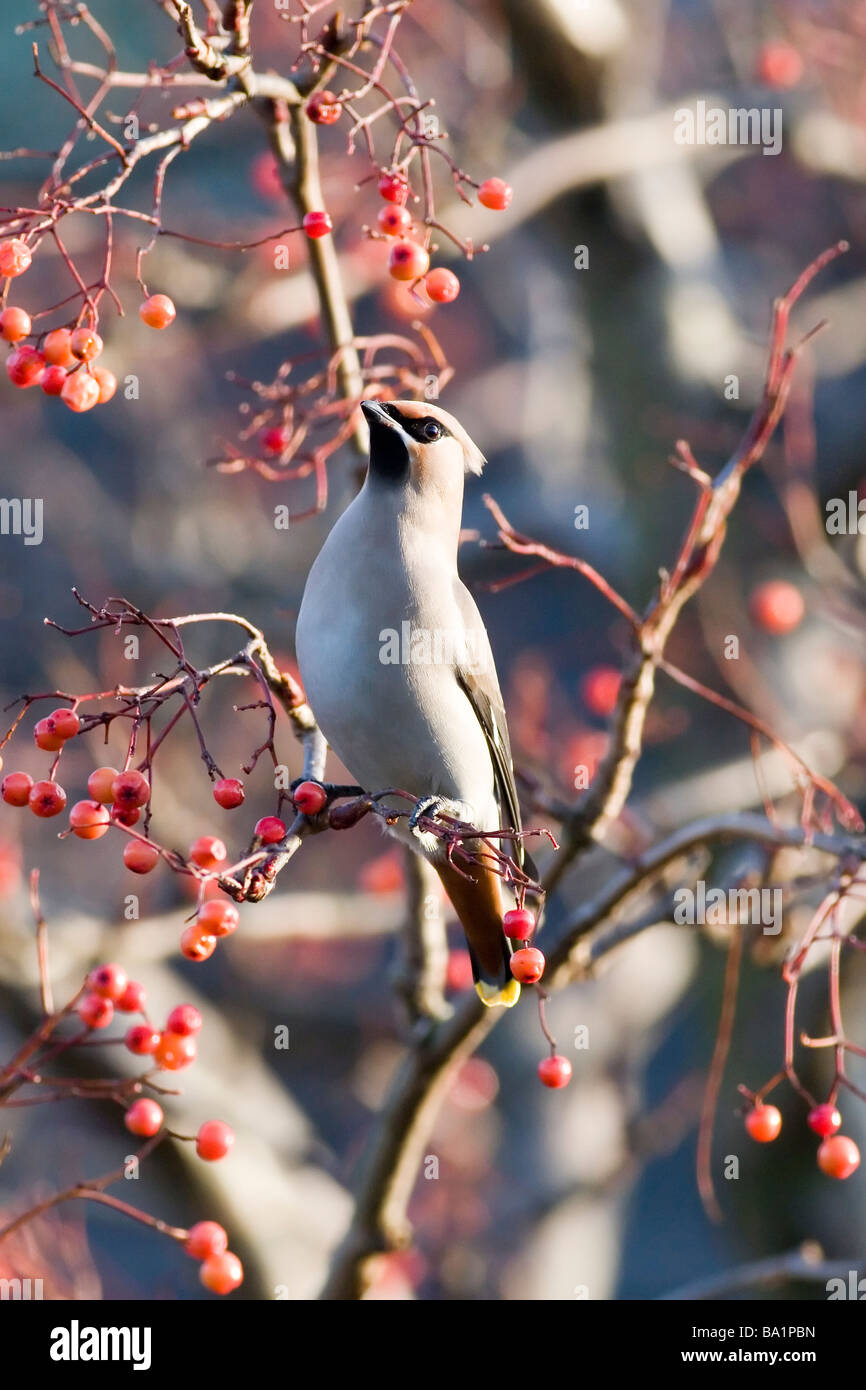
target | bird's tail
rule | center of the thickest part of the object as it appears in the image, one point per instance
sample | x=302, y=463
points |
x=478, y=903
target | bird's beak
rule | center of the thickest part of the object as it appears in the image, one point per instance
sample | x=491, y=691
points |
x=375, y=414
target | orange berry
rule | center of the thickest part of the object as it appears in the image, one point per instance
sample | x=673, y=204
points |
x=80, y=392
x=15, y=257
x=99, y=784
x=442, y=285
x=763, y=1123
x=15, y=324
x=157, y=311
x=89, y=820
x=407, y=260
x=196, y=944
x=838, y=1157
x=85, y=344
x=16, y=787
x=139, y=857
x=58, y=348
x=222, y=1273
x=174, y=1051
x=218, y=917
x=107, y=383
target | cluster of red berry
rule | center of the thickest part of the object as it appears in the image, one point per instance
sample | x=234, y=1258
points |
x=62, y=361
x=108, y=990
x=408, y=259
x=527, y=966
x=117, y=798
x=838, y=1156
x=221, y=1271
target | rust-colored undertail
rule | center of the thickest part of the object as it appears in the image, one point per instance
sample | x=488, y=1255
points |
x=478, y=903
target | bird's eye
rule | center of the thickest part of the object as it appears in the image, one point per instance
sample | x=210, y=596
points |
x=432, y=430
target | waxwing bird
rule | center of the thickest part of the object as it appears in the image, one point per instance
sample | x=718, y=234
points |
x=397, y=665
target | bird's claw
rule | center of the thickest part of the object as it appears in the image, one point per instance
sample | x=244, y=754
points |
x=430, y=807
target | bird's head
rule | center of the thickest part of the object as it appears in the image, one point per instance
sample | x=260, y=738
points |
x=414, y=442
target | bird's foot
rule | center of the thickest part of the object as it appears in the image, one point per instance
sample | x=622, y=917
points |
x=434, y=808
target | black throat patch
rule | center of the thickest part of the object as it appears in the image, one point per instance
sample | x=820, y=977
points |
x=389, y=457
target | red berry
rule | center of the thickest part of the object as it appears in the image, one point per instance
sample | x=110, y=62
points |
x=407, y=260
x=99, y=784
x=495, y=194
x=15, y=324
x=142, y=1039
x=144, y=1118
x=58, y=348
x=218, y=917
x=133, y=998
x=205, y=1240
x=824, y=1120
x=777, y=607
x=174, y=1051
x=763, y=1123
x=46, y=799
x=527, y=965
x=275, y=439
x=228, y=793
x=139, y=857
x=157, y=311
x=269, y=829
x=109, y=981
x=222, y=1273
x=442, y=285
x=207, y=852
x=15, y=257
x=196, y=944
x=16, y=787
x=46, y=736
x=85, y=344
x=322, y=108
x=317, y=224
x=65, y=721
x=80, y=392
x=310, y=798
x=125, y=816
x=107, y=383
x=779, y=65
x=89, y=820
x=554, y=1071
x=394, y=220
x=25, y=366
x=600, y=690
x=53, y=381
x=130, y=789
x=214, y=1140
x=519, y=923
x=185, y=1020
x=838, y=1157
x=394, y=188
x=94, y=1011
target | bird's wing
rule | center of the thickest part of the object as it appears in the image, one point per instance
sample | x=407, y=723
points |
x=481, y=687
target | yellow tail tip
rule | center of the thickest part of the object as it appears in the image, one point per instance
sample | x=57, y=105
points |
x=493, y=997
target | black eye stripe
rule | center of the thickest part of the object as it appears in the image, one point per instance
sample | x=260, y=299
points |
x=418, y=428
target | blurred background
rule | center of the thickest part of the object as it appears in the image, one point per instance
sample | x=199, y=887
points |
x=575, y=371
